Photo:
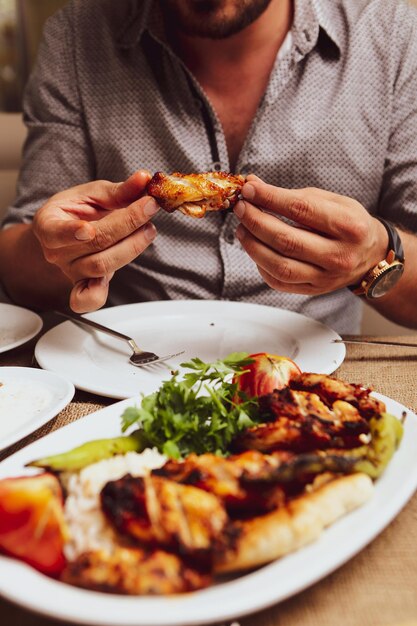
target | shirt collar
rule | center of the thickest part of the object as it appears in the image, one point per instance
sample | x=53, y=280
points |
x=330, y=16
x=317, y=22
x=311, y=16
x=132, y=31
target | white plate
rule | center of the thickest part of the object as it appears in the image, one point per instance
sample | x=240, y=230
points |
x=208, y=329
x=17, y=325
x=28, y=399
x=224, y=601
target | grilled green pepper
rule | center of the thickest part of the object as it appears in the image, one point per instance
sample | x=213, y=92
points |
x=386, y=432
x=91, y=452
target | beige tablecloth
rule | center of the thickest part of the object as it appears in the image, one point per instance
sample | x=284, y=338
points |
x=378, y=587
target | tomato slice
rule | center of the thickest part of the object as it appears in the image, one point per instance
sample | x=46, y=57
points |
x=32, y=526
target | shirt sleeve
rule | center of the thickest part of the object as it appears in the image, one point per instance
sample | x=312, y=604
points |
x=398, y=200
x=56, y=154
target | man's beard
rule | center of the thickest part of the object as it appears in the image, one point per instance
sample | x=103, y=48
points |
x=213, y=19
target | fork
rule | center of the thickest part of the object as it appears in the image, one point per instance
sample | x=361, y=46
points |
x=376, y=342
x=139, y=357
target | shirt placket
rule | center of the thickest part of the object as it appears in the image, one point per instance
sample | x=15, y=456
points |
x=229, y=248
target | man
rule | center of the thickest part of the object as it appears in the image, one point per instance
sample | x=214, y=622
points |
x=316, y=97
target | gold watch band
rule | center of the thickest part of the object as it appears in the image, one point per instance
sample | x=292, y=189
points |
x=381, y=278
x=373, y=274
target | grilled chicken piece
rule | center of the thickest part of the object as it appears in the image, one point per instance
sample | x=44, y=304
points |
x=300, y=421
x=133, y=571
x=156, y=511
x=228, y=479
x=330, y=389
x=253, y=483
x=194, y=194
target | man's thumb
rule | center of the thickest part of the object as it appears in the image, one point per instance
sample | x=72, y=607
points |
x=119, y=195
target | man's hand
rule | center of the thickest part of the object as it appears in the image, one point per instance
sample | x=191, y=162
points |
x=333, y=243
x=92, y=230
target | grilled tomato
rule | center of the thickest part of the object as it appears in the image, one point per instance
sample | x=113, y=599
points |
x=32, y=526
x=266, y=373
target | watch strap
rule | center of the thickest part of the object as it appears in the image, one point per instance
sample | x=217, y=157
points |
x=394, y=240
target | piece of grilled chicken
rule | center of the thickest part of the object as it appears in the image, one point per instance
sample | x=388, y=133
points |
x=299, y=421
x=195, y=194
x=173, y=536
x=228, y=478
x=242, y=545
x=161, y=513
x=330, y=389
x=134, y=571
x=253, y=483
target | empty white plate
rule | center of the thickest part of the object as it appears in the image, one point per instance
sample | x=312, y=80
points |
x=208, y=329
x=17, y=325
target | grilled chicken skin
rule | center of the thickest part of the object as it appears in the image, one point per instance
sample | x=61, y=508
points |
x=253, y=483
x=330, y=389
x=159, y=512
x=228, y=479
x=195, y=194
x=133, y=571
x=299, y=421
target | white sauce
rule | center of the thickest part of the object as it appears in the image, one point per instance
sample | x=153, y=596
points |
x=20, y=402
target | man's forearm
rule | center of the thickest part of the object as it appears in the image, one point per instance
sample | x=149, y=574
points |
x=400, y=305
x=27, y=277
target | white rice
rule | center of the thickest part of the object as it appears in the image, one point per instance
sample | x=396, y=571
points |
x=87, y=526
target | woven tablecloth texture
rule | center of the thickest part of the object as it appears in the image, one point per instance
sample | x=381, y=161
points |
x=378, y=587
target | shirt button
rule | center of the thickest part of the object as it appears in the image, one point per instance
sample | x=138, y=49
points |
x=229, y=238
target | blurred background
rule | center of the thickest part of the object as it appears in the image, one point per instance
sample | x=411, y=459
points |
x=21, y=23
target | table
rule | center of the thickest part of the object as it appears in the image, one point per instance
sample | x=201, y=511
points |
x=378, y=587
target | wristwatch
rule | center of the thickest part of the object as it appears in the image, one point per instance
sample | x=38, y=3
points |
x=381, y=278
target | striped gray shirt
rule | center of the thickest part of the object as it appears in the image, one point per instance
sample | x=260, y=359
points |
x=108, y=96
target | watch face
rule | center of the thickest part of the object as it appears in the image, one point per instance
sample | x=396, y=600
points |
x=386, y=281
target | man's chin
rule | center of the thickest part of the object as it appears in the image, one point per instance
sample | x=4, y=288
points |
x=212, y=19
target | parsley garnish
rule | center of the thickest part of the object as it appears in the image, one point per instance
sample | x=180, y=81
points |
x=197, y=413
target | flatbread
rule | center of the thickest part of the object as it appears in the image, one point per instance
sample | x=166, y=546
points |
x=263, y=539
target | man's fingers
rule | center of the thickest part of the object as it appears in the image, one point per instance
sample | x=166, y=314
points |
x=279, y=285
x=111, y=259
x=117, y=195
x=288, y=203
x=89, y=294
x=121, y=224
x=253, y=177
x=315, y=209
x=85, y=237
x=283, y=269
x=57, y=233
x=287, y=240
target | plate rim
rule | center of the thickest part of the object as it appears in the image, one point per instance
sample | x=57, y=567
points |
x=148, y=308
x=39, y=325
x=51, y=412
x=343, y=528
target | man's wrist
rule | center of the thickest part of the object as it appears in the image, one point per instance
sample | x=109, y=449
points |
x=386, y=273
x=379, y=251
x=381, y=247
